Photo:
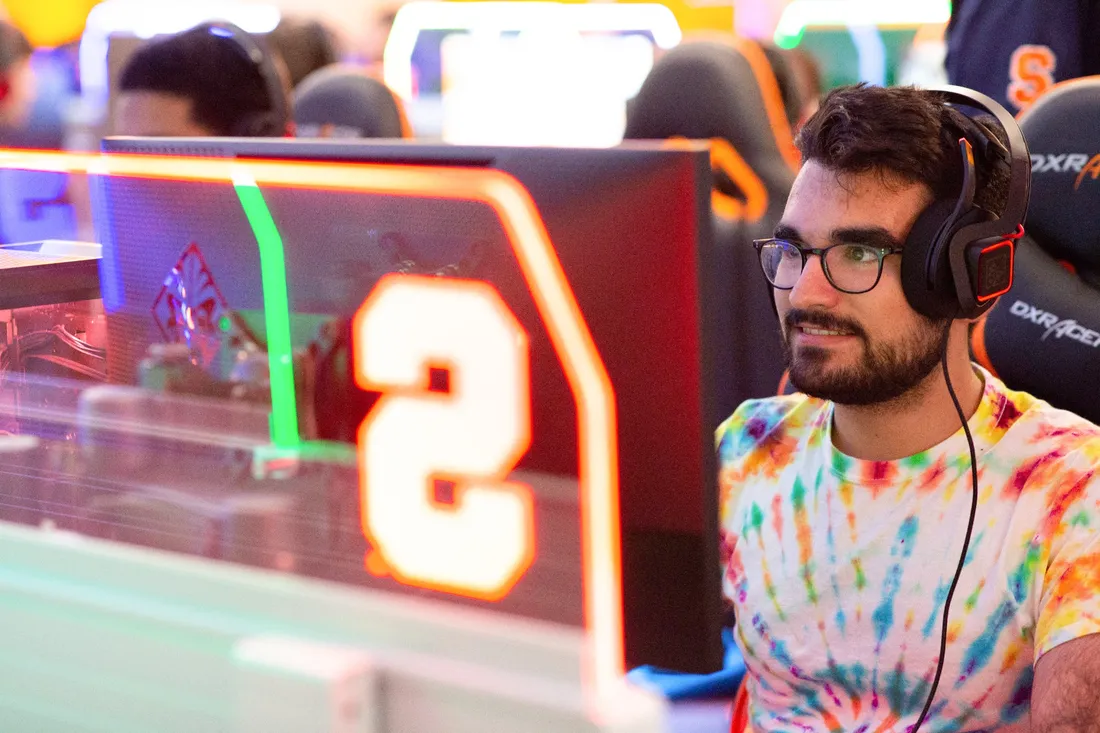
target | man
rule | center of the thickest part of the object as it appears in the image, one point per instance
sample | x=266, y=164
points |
x=1015, y=51
x=844, y=507
x=201, y=83
x=17, y=86
x=304, y=46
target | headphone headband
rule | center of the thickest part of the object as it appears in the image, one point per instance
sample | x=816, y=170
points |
x=1019, y=160
x=958, y=257
x=275, y=119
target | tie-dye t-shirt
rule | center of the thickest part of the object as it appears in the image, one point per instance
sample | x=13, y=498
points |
x=837, y=568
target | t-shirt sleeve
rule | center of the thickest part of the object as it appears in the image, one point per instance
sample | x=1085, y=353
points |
x=1069, y=607
x=731, y=444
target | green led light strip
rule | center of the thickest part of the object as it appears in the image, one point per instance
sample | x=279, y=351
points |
x=799, y=15
x=280, y=353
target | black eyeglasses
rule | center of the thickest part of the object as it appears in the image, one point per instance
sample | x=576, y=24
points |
x=850, y=268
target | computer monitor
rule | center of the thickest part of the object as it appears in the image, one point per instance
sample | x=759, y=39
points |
x=631, y=227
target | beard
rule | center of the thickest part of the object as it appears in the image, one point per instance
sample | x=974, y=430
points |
x=884, y=371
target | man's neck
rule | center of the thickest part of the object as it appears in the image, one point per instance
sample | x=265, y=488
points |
x=918, y=420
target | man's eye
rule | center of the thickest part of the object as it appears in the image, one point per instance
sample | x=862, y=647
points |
x=859, y=255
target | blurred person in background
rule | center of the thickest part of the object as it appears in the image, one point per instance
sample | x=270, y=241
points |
x=799, y=78
x=807, y=78
x=789, y=88
x=34, y=205
x=1015, y=51
x=212, y=80
x=17, y=88
x=305, y=46
x=376, y=35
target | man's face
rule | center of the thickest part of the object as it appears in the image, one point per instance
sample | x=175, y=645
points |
x=156, y=114
x=19, y=102
x=854, y=349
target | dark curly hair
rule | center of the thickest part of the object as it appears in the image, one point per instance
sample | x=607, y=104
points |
x=908, y=135
x=224, y=86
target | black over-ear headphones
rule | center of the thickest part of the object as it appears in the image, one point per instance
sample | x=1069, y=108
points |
x=958, y=257
x=273, y=121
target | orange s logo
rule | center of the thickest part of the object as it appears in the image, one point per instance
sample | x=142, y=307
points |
x=481, y=544
x=1031, y=71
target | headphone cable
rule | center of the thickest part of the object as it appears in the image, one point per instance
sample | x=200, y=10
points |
x=966, y=539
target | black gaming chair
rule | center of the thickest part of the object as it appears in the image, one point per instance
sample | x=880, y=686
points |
x=725, y=92
x=345, y=101
x=1043, y=337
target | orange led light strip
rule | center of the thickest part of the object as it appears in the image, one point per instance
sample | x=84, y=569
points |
x=584, y=370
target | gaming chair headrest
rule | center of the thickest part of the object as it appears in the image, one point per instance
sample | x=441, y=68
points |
x=703, y=90
x=1043, y=336
x=1065, y=162
x=344, y=101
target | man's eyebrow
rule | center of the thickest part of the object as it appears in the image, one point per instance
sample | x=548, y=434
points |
x=783, y=231
x=873, y=236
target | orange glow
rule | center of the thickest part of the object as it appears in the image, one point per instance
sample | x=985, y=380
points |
x=474, y=435
x=977, y=343
x=376, y=565
x=725, y=158
x=773, y=100
x=49, y=24
x=584, y=370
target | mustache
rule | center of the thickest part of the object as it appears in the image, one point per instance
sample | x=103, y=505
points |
x=797, y=318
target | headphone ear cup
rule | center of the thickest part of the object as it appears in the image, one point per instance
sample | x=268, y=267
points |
x=973, y=260
x=932, y=297
x=261, y=124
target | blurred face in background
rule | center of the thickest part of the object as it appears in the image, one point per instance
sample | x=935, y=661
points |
x=18, y=88
x=156, y=114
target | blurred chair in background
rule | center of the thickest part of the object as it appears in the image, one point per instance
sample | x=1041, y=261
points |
x=725, y=91
x=346, y=101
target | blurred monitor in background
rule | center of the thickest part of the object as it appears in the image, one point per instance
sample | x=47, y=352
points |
x=530, y=88
x=923, y=64
x=500, y=73
x=855, y=42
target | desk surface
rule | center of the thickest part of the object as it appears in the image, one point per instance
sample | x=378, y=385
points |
x=700, y=717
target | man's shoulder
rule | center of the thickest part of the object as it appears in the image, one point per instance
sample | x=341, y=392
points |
x=1043, y=425
x=769, y=419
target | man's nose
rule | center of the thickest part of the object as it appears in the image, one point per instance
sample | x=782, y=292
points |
x=812, y=287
